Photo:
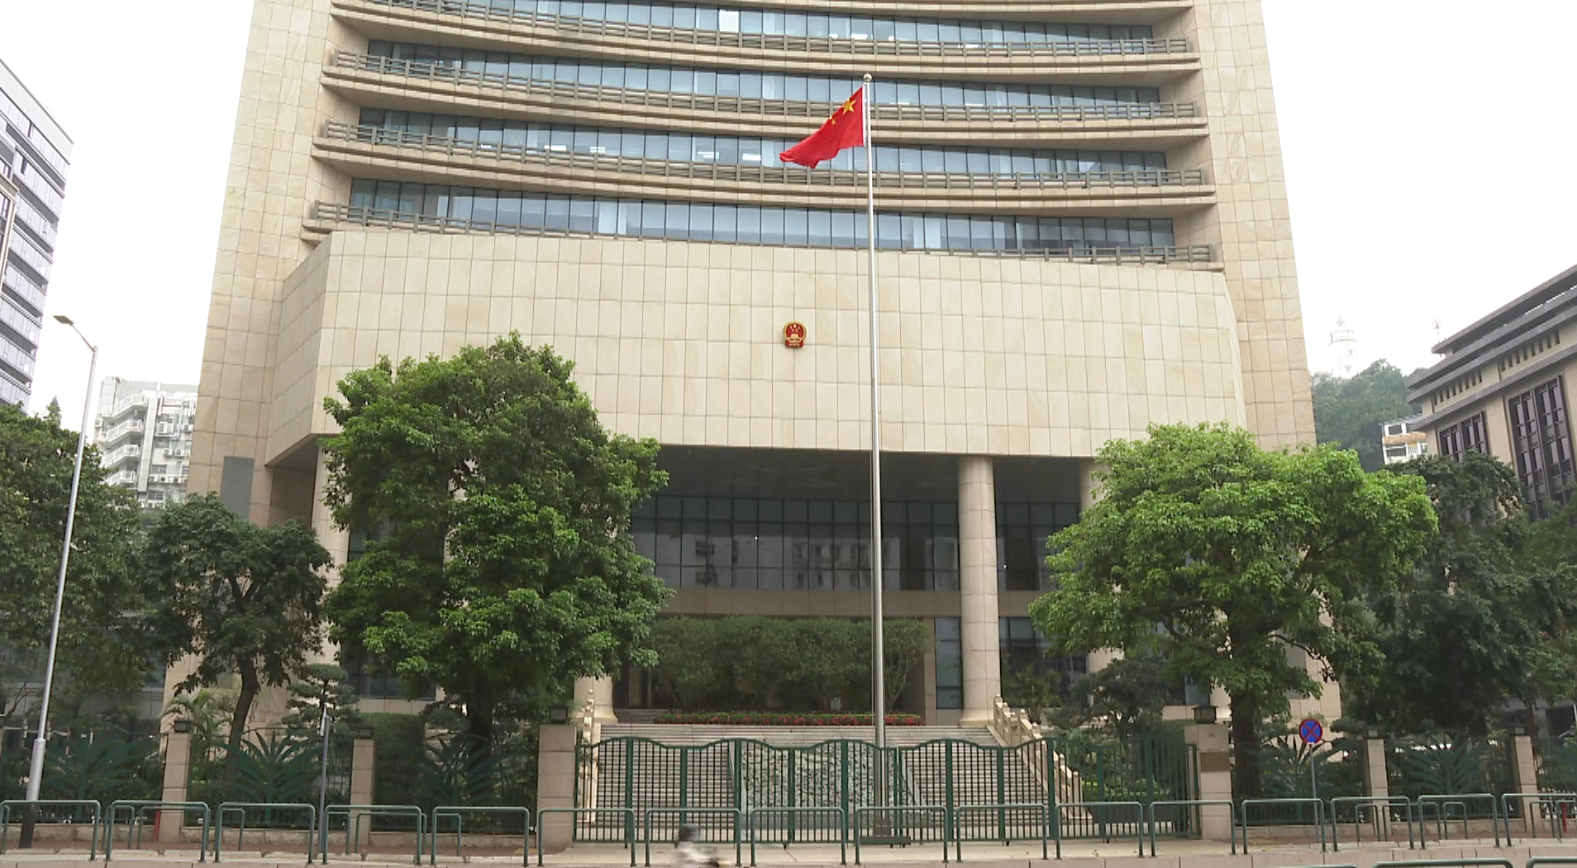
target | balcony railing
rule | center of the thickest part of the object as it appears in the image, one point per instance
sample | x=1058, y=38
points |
x=546, y=89
x=330, y=212
x=812, y=44
x=557, y=161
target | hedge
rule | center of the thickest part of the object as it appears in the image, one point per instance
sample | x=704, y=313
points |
x=781, y=665
x=751, y=718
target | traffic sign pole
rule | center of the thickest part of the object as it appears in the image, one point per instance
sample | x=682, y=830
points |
x=1312, y=732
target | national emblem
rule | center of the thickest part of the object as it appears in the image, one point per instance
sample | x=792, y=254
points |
x=794, y=335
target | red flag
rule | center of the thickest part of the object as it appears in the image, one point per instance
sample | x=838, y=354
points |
x=845, y=129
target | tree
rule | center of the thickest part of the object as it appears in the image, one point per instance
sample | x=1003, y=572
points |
x=1348, y=413
x=104, y=646
x=1239, y=556
x=1485, y=615
x=501, y=566
x=1127, y=697
x=246, y=599
x=322, y=687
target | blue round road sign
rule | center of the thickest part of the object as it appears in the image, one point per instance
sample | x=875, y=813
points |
x=1311, y=731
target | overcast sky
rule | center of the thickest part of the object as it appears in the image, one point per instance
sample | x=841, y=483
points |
x=1428, y=157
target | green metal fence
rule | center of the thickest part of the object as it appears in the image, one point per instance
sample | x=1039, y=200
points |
x=842, y=775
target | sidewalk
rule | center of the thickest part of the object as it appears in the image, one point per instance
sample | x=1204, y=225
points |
x=1082, y=854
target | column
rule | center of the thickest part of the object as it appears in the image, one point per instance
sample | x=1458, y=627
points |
x=1215, y=777
x=1377, y=780
x=977, y=543
x=363, y=762
x=599, y=691
x=177, y=772
x=556, y=785
x=1525, y=776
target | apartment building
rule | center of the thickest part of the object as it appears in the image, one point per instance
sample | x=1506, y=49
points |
x=144, y=436
x=1082, y=224
x=35, y=155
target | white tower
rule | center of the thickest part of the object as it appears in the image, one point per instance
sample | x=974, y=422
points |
x=1344, y=348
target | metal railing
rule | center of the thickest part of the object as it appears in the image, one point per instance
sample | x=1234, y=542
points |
x=547, y=160
x=556, y=91
x=592, y=27
x=335, y=213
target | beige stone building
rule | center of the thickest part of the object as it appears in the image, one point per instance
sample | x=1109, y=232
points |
x=1082, y=224
x=1501, y=388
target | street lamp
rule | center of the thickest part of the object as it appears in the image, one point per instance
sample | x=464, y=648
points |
x=36, y=775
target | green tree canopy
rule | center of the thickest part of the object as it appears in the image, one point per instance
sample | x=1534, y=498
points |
x=501, y=566
x=1485, y=615
x=246, y=599
x=1348, y=412
x=103, y=643
x=1238, y=556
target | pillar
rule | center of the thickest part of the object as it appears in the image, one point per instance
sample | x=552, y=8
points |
x=556, y=785
x=177, y=772
x=1377, y=780
x=977, y=543
x=1215, y=777
x=600, y=692
x=363, y=763
x=1525, y=777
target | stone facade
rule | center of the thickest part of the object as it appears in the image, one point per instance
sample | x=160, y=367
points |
x=992, y=358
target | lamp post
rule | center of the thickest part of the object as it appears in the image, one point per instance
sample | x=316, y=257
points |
x=36, y=772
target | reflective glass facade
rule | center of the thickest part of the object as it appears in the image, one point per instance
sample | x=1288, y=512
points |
x=742, y=224
x=738, y=151
x=33, y=158
x=775, y=22
x=758, y=85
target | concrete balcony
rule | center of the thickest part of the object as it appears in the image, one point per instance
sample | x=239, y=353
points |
x=1125, y=61
x=326, y=217
x=421, y=86
x=373, y=152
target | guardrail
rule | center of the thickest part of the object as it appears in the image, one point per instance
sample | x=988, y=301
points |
x=331, y=212
x=1554, y=800
x=839, y=812
x=681, y=813
x=242, y=807
x=1319, y=821
x=627, y=813
x=556, y=91
x=900, y=810
x=1046, y=825
x=1443, y=804
x=456, y=811
x=354, y=814
x=549, y=160
x=134, y=807
x=93, y=836
x=1105, y=832
x=1380, y=803
x=782, y=42
x=1204, y=803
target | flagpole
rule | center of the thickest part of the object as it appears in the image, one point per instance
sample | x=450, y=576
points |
x=879, y=702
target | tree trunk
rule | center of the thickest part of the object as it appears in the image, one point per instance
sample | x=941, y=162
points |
x=1245, y=752
x=250, y=688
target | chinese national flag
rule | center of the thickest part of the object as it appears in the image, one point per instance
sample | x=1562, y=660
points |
x=845, y=129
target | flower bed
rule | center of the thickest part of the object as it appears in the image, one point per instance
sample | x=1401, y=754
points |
x=748, y=718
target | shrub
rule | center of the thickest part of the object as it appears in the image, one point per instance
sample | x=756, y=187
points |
x=781, y=664
x=758, y=718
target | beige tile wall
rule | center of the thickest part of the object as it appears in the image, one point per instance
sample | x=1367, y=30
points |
x=1251, y=224
x=683, y=342
x=271, y=179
